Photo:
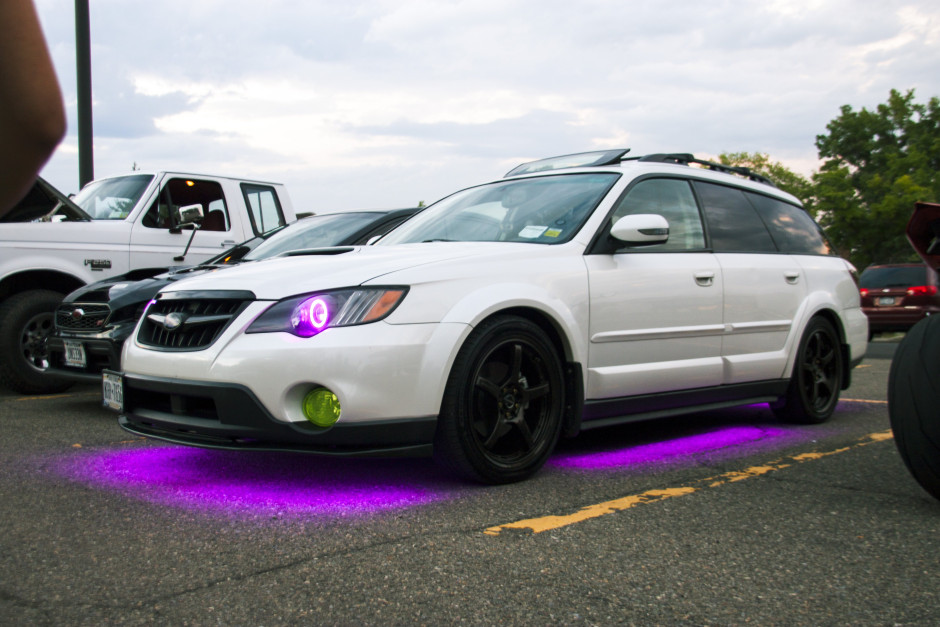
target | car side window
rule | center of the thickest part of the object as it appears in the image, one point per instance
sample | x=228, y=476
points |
x=733, y=223
x=264, y=207
x=793, y=230
x=178, y=193
x=672, y=199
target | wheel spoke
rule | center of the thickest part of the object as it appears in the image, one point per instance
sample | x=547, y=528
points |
x=515, y=369
x=523, y=428
x=487, y=386
x=500, y=429
x=530, y=394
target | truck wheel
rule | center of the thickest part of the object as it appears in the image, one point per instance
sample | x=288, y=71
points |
x=817, y=376
x=26, y=320
x=914, y=402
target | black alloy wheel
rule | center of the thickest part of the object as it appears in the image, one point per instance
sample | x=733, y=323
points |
x=817, y=376
x=503, y=405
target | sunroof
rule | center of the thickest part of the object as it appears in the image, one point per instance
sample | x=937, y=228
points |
x=579, y=160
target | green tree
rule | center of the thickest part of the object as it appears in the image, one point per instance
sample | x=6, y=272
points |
x=876, y=165
x=760, y=163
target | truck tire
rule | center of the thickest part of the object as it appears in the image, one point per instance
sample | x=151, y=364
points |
x=26, y=320
x=914, y=402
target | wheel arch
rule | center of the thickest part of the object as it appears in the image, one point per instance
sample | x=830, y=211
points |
x=38, y=279
x=829, y=314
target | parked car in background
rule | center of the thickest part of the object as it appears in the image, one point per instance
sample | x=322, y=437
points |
x=897, y=296
x=51, y=245
x=576, y=292
x=914, y=379
x=92, y=322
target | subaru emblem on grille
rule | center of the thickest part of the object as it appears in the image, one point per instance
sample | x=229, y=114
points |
x=173, y=320
x=78, y=313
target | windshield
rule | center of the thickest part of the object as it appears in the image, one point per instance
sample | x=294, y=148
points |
x=334, y=229
x=112, y=199
x=544, y=210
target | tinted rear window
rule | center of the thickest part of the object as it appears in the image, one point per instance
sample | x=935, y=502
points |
x=793, y=230
x=893, y=276
x=733, y=223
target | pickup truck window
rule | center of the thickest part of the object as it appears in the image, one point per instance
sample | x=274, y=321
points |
x=179, y=192
x=112, y=199
x=264, y=208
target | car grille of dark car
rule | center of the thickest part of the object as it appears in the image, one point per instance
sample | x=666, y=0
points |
x=82, y=317
x=203, y=320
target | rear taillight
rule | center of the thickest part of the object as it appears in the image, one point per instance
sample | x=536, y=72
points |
x=922, y=290
x=863, y=292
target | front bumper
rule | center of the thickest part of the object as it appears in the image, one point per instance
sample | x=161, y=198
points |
x=228, y=416
x=102, y=352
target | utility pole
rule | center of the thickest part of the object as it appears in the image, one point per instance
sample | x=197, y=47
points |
x=86, y=157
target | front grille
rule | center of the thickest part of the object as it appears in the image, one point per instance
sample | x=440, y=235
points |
x=82, y=316
x=188, y=324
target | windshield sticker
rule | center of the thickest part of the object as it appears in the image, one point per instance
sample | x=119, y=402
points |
x=552, y=233
x=531, y=232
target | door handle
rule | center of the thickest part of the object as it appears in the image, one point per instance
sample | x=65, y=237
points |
x=791, y=277
x=705, y=279
x=228, y=243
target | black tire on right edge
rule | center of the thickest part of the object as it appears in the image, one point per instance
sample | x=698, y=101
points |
x=914, y=402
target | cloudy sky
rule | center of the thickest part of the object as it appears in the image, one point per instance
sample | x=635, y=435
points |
x=385, y=103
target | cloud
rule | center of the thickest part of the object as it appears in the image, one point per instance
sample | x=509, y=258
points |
x=386, y=102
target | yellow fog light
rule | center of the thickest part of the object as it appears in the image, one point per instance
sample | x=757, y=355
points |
x=321, y=407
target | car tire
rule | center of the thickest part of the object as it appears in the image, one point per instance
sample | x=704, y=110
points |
x=914, y=402
x=26, y=320
x=817, y=376
x=502, y=410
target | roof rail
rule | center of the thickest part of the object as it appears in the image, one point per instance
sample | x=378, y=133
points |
x=684, y=158
x=578, y=160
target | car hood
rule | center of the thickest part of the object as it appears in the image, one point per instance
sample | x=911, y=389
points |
x=135, y=287
x=280, y=277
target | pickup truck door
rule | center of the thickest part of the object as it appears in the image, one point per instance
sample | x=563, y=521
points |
x=158, y=241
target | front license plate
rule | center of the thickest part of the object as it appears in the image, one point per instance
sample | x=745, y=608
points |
x=75, y=354
x=886, y=300
x=112, y=390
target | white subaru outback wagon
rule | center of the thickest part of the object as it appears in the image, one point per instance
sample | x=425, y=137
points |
x=576, y=292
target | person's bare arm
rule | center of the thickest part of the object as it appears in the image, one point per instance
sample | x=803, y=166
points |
x=32, y=116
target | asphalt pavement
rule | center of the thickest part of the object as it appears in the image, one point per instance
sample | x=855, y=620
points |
x=719, y=518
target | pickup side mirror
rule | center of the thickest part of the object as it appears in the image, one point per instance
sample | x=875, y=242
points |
x=189, y=214
x=641, y=229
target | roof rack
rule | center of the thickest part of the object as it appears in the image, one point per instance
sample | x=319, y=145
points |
x=578, y=160
x=684, y=158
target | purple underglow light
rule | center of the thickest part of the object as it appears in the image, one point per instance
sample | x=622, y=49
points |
x=729, y=439
x=250, y=483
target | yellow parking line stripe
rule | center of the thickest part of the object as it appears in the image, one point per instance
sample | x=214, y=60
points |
x=547, y=523
x=862, y=400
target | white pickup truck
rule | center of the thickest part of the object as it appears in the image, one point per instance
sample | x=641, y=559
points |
x=113, y=226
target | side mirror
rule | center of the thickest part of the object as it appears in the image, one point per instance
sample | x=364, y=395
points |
x=189, y=214
x=642, y=229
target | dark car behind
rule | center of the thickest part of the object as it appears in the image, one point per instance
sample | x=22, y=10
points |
x=92, y=322
x=895, y=297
